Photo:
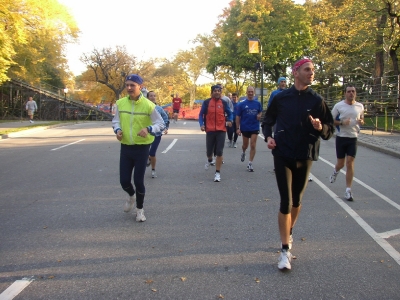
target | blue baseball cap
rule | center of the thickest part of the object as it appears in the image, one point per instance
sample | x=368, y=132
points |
x=135, y=78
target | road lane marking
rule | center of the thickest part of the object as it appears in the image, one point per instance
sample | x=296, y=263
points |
x=170, y=146
x=17, y=287
x=368, y=229
x=67, y=145
x=389, y=234
x=371, y=189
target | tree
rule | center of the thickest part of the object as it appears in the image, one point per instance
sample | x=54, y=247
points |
x=109, y=67
x=281, y=27
x=34, y=36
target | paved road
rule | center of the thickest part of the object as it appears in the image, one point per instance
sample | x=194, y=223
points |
x=62, y=224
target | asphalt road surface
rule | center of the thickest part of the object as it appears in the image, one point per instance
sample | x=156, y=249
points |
x=64, y=235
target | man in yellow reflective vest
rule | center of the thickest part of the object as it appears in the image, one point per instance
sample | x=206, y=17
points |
x=134, y=122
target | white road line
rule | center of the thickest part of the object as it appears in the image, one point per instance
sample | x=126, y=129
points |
x=67, y=145
x=389, y=234
x=391, y=202
x=368, y=229
x=170, y=146
x=17, y=287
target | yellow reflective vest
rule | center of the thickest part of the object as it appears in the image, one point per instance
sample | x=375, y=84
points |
x=135, y=115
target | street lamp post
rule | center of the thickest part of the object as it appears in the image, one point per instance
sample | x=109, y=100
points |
x=261, y=65
x=65, y=100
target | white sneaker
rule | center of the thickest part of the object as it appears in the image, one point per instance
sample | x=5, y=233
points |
x=140, y=215
x=130, y=203
x=213, y=161
x=310, y=178
x=207, y=165
x=153, y=174
x=332, y=179
x=230, y=144
x=348, y=196
x=290, y=242
x=234, y=145
x=250, y=167
x=31, y=121
x=284, y=260
x=217, y=177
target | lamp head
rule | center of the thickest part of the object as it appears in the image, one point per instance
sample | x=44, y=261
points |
x=238, y=33
x=65, y=90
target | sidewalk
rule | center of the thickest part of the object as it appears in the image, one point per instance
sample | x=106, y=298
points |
x=381, y=141
x=25, y=127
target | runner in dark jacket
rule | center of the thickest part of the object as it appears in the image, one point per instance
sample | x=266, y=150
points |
x=301, y=117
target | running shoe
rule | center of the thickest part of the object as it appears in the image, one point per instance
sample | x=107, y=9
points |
x=243, y=156
x=250, y=167
x=332, y=179
x=234, y=145
x=284, y=260
x=310, y=178
x=207, y=165
x=140, y=215
x=129, y=203
x=213, y=162
x=217, y=177
x=148, y=163
x=290, y=242
x=348, y=196
x=153, y=174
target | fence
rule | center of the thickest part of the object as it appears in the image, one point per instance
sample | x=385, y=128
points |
x=52, y=103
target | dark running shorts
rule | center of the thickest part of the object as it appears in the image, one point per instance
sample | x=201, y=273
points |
x=215, y=139
x=346, y=146
x=176, y=111
x=248, y=134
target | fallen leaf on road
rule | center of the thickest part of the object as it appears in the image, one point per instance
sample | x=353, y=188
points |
x=148, y=281
x=153, y=290
x=183, y=278
x=220, y=296
x=257, y=280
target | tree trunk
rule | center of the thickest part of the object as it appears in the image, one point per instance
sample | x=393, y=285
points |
x=379, y=54
x=395, y=60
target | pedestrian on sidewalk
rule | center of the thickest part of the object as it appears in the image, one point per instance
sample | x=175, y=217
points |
x=301, y=117
x=134, y=121
x=154, y=146
x=31, y=107
x=212, y=121
x=348, y=116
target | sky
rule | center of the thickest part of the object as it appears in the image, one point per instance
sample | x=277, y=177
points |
x=148, y=29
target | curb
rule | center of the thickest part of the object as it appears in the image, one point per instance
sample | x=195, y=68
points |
x=379, y=149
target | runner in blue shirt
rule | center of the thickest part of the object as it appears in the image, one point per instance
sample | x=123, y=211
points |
x=248, y=114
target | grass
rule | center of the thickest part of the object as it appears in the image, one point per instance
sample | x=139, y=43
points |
x=370, y=122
